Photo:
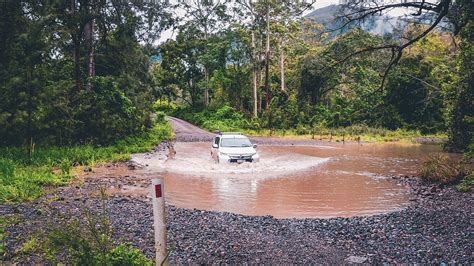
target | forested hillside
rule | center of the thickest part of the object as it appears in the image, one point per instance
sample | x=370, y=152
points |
x=285, y=71
x=89, y=71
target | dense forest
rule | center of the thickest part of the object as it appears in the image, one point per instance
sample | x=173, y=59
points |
x=76, y=71
x=90, y=71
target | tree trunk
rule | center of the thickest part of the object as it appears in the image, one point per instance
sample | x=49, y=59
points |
x=206, y=90
x=282, y=66
x=267, y=63
x=206, y=74
x=89, y=41
x=254, y=77
x=190, y=84
x=29, y=131
x=76, y=48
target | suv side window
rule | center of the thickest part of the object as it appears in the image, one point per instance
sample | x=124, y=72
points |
x=216, y=141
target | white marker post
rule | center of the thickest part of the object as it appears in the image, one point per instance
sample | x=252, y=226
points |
x=159, y=220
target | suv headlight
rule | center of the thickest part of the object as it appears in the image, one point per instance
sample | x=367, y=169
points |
x=224, y=156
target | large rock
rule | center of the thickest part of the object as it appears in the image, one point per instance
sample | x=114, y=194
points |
x=356, y=260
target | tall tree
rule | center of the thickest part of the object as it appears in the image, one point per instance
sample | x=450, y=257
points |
x=207, y=16
x=458, y=15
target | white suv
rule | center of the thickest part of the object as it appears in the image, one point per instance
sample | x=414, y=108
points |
x=233, y=147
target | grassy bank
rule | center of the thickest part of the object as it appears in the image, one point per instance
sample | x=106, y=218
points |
x=24, y=177
x=352, y=133
x=226, y=119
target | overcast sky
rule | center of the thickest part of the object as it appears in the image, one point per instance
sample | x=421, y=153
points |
x=319, y=4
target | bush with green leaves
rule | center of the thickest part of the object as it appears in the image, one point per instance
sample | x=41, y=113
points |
x=224, y=118
x=23, y=183
x=466, y=184
x=88, y=240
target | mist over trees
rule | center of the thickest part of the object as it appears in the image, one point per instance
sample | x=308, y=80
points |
x=83, y=70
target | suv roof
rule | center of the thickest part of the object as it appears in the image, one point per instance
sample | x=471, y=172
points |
x=228, y=133
x=233, y=136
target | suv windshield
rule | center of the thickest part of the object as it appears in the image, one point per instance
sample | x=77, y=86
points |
x=240, y=142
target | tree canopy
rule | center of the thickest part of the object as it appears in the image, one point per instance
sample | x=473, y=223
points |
x=89, y=70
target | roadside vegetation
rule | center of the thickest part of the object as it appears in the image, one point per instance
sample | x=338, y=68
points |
x=439, y=168
x=442, y=169
x=24, y=173
x=81, y=238
x=226, y=118
x=87, y=240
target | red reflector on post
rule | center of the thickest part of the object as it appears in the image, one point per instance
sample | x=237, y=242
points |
x=158, y=191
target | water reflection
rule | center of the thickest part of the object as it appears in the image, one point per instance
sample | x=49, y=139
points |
x=294, y=181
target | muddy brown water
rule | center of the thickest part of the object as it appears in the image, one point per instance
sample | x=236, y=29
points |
x=339, y=180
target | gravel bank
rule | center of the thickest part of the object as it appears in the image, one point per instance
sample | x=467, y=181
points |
x=435, y=228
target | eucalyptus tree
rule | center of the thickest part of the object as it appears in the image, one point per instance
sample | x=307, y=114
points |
x=180, y=59
x=455, y=16
x=208, y=16
x=271, y=20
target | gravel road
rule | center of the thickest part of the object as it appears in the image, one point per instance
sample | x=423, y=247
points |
x=435, y=228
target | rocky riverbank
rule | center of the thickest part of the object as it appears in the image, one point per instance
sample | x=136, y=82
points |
x=435, y=228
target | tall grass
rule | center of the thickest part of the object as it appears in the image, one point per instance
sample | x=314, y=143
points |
x=227, y=119
x=440, y=168
x=22, y=177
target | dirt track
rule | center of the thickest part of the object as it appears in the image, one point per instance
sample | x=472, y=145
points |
x=187, y=132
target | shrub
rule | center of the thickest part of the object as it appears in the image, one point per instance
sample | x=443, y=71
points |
x=224, y=118
x=469, y=154
x=87, y=240
x=466, y=184
x=440, y=168
x=165, y=105
x=127, y=255
x=20, y=183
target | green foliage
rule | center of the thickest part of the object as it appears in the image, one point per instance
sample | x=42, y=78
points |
x=127, y=255
x=164, y=106
x=469, y=154
x=461, y=112
x=22, y=177
x=326, y=85
x=30, y=246
x=87, y=240
x=51, y=96
x=224, y=118
x=24, y=183
x=466, y=184
x=228, y=119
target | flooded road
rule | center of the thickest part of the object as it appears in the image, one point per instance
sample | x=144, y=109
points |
x=293, y=181
x=294, y=178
